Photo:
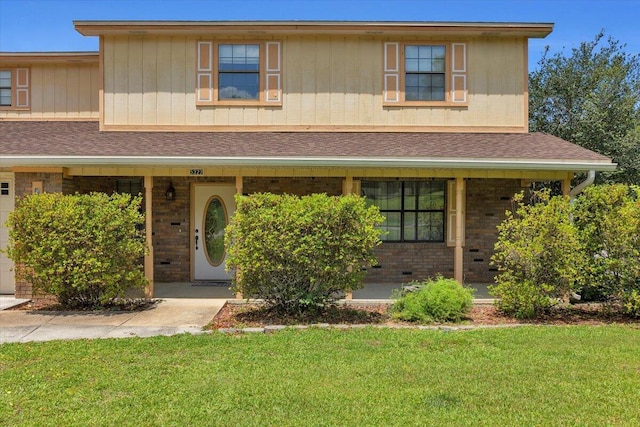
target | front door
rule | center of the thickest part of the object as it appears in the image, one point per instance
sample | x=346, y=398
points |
x=212, y=210
x=7, y=203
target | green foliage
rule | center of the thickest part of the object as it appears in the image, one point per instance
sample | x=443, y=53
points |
x=608, y=217
x=439, y=300
x=299, y=253
x=84, y=249
x=591, y=98
x=538, y=255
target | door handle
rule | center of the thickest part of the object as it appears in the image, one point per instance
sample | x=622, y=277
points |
x=197, y=240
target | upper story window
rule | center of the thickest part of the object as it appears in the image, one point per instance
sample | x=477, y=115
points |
x=5, y=88
x=425, y=74
x=14, y=88
x=424, y=68
x=243, y=73
x=238, y=71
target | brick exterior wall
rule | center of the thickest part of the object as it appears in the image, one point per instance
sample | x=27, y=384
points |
x=404, y=262
x=297, y=186
x=486, y=202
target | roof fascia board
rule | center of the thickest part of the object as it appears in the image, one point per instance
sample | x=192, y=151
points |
x=503, y=164
x=488, y=29
x=48, y=57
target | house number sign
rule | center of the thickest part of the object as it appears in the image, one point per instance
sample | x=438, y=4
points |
x=196, y=172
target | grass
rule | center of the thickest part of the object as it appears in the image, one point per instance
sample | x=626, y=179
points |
x=575, y=375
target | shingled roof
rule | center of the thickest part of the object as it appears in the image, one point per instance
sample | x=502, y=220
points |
x=66, y=143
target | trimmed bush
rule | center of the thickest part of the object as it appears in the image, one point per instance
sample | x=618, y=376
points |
x=300, y=253
x=539, y=256
x=608, y=217
x=439, y=300
x=83, y=249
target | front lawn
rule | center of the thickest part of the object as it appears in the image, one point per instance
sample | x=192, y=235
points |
x=535, y=375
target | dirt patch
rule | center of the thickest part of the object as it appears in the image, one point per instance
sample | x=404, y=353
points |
x=252, y=315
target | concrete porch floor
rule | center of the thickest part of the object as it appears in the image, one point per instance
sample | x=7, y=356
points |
x=371, y=291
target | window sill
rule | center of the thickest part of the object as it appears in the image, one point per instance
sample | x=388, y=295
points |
x=238, y=103
x=9, y=108
x=428, y=104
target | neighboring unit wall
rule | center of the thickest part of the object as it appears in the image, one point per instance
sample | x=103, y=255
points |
x=60, y=91
x=327, y=81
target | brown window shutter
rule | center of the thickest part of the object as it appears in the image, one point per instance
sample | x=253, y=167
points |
x=22, y=87
x=204, y=78
x=391, y=73
x=273, y=68
x=459, y=72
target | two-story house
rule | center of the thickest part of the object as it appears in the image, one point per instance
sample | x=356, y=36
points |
x=428, y=120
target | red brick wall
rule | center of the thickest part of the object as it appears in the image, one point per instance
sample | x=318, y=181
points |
x=487, y=202
x=297, y=186
x=403, y=262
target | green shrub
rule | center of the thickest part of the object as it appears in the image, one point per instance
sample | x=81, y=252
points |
x=439, y=300
x=538, y=255
x=300, y=253
x=84, y=249
x=608, y=217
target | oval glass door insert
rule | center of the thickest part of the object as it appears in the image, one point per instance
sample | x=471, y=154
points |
x=215, y=220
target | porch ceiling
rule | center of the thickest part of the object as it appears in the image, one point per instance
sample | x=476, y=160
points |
x=65, y=144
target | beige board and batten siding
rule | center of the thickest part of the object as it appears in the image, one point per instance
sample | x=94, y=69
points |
x=60, y=91
x=327, y=81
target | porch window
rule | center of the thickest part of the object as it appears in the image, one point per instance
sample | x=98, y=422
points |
x=130, y=186
x=414, y=210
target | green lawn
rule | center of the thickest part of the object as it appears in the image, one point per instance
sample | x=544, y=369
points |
x=502, y=377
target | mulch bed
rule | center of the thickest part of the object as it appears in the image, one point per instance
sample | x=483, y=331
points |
x=127, y=304
x=253, y=315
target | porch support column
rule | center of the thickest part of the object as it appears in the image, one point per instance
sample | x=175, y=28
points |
x=566, y=186
x=347, y=188
x=148, y=258
x=458, y=267
x=238, y=191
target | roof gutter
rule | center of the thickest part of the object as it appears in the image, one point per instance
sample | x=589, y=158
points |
x=505, y=164
x=584, y=184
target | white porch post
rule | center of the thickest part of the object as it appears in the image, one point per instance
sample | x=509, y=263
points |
x=148, y=258
x=458, y=260
x=238, y=191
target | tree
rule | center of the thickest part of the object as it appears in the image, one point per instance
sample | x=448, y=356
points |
x=591, y=98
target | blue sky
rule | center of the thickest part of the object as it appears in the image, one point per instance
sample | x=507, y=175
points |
x=46, y=25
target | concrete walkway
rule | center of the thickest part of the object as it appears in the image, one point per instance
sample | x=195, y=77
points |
x=169, y=317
